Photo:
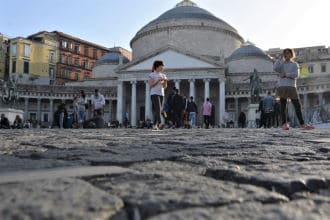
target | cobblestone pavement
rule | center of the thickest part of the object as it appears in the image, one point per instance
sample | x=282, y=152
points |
x=170, y=174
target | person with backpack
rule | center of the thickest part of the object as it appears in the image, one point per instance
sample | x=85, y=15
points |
x=192, y=111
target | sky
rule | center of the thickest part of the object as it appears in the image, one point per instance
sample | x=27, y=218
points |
x=266, y=23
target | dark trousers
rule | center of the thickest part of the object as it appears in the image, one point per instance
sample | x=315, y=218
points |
x=157, y=108
x=268, y=119
x=276, y=119
x=177, y=118
x=262, y=119
x=207, y=120
x=297, y=106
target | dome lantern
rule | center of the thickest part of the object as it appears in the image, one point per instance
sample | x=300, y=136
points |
x=186, y=3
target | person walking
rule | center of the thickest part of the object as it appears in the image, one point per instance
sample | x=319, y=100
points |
x=158, y=84
x=268, y=107
x=82, y=106
x=242, y=120
x=98, y=102
x=178, y=107
x=192, y=111
x=207, y=111
x=288, y=71
x=258, y=116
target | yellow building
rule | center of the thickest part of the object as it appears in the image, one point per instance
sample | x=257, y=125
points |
x=4, y=42
x=33, y=59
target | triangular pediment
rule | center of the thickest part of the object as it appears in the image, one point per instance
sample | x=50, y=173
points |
x=172, y=59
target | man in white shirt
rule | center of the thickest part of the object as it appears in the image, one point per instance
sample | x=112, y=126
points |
x=98, y=101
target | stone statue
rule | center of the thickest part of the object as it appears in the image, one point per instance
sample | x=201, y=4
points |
x=9, y=92
x=255, y=87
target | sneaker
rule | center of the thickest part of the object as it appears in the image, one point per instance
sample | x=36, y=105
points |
x=308, y=127
x=161, y=127
x=155, y=127
x=285, y=127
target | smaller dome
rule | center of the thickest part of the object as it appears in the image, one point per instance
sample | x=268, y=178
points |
x=247, y=50
x=112, y=58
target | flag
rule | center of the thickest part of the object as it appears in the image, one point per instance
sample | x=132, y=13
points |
x=303, y=70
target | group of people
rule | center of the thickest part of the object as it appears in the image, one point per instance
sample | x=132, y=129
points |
x=178, y=109
x=5, y=124
x=78, y=117
x=268, y=114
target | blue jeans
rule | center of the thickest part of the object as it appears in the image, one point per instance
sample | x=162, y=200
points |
x=81, y=116
x=192, y=118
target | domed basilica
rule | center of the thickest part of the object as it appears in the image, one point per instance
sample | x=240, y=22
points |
x=204, y=57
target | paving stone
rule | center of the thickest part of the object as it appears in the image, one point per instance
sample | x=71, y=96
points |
x=152, y=193
x=62, y=198
x=297, y=210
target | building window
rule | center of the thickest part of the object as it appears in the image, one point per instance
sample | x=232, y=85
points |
x=45, y=117
x=26, y=67
x=95, y=53
x=311, y=68
x=33, y=116
x=14, y=66
x=64, y=44
x=70, y=46
x=26, y=50
x=86, y=64
x=62, y=58
x=69, y=60
x=52, y=57
x=77, y=48
x=76, y=61
x=51, y=73
x=86, y=51
x=14, y=49
x=78, y=75
x=323, y=67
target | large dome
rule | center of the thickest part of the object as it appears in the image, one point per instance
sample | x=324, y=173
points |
x=112, y=58
x=248, y=58
x=248, y=50
x=188, y=27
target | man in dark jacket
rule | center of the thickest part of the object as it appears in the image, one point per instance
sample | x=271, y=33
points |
x=4, y=122
x=178, y=107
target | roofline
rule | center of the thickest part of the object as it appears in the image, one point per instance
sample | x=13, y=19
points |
x=80, y=40
x=169, y=47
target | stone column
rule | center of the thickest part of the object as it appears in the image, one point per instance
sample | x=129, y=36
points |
x=120, y=101
x=236, y=111
x=26, y=108
x=51, y=111
x=192, y=88
x=177, y=84
x=305, y=105
x=147, y=102
x=222, y=101
x=133, y=104
x=320, y=96
x=206, y=88
x=39, y=110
